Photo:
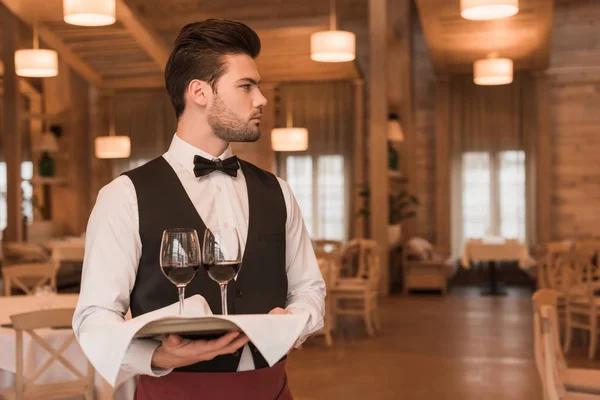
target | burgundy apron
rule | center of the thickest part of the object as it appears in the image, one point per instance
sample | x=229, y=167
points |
x=259, y=384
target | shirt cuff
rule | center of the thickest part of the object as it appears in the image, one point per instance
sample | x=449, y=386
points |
x=138, y=358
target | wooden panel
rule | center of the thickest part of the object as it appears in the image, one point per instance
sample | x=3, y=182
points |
x=67, y=96
x=574, y=96
x=443, y=164
x=169, y=17
x=12, y=108
x=143, y=35
x=455, y=43
x=378, y=177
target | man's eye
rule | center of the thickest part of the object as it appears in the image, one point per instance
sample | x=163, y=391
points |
x=246, y=87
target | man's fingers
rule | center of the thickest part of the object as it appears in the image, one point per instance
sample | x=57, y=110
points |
x=199, y=347
x=231, y=348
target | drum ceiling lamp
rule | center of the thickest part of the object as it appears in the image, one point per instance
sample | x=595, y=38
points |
x=36, y=62
x=289, y=138
x=481, y=10
x=112, y=146
x=332, y=45
x=89, y=12
x=493, y=71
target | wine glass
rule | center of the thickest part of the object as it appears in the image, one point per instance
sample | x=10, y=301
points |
x=222, y=258
x=180, y=258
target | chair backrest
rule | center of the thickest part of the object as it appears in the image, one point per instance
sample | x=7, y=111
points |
x=56, y=318
x=354, y=257
x=23, y=252
x=541, y=298
x=553, y=386
x=29, y=277
x=582, y=269
x=327, y=246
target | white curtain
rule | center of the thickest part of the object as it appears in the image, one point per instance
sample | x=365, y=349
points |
x=492, y=160
x=321, y=177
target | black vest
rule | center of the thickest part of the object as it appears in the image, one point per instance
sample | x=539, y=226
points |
x=261, y=284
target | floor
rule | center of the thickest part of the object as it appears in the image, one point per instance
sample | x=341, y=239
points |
x=462, y=346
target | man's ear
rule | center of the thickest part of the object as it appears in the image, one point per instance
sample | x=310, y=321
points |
x=199, y=92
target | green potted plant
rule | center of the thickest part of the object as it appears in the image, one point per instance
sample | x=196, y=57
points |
x=401, y=207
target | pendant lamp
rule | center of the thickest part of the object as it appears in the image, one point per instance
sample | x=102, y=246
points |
x=112, y=146
x=482, y=10
x=89, y=12
x=493, y=71
x=36, y=62
x=289, y=138
x=332, y=45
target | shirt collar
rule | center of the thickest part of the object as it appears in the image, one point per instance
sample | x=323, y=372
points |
x=184, y=153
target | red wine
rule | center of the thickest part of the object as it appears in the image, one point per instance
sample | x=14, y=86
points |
x=223, y=272
x=181, y=275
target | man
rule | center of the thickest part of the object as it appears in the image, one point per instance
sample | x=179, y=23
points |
x=213, y=84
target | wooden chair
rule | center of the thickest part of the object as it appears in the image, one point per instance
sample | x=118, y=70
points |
x=23, y=252
x=327, y=267
x=327, y=246
x=582, y=304
x=28, y=388
x=359, y=295
x=29, y=277
x=574, y=379
x=553, y=384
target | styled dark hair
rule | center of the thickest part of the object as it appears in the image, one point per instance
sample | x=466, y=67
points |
x=198, y=53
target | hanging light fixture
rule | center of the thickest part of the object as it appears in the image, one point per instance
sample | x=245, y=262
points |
x=394, y=130
x=493, y=71
x=480, y=10
x=89, y=12
x=332, y=45
x=112, y=146
x=289, y=138
x=36, y=62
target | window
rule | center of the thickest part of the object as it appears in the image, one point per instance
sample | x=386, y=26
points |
x=318, y=182
x=26, y=188
x=493, y=200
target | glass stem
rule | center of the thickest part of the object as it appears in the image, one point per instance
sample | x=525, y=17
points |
x=223, y=298
x=181, y=290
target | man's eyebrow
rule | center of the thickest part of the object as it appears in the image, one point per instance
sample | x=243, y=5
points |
x=255, y=82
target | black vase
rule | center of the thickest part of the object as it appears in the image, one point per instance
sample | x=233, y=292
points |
x=46, y=166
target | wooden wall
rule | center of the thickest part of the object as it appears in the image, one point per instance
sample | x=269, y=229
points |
x=424, y=89
x=574, y=79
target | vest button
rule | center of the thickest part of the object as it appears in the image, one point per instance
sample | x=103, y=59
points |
x=238, y=292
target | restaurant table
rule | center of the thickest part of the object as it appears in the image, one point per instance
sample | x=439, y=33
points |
x=35, y=355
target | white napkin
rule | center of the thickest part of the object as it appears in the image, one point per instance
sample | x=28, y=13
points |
x=273, y=335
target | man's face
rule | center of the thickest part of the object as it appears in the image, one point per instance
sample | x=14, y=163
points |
x=236, y=108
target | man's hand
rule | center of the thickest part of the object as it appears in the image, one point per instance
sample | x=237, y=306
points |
x=175, y=351
x=279, y=310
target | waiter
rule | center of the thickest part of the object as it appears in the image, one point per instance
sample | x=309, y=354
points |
x=213, y=84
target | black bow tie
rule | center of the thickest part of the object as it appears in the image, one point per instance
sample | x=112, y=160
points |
x=202, y=166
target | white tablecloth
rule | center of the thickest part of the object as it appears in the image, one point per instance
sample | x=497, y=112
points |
x=496, y=250
x=35, y=355
x=67, y=248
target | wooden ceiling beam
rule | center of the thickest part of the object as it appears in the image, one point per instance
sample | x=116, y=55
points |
x=150, y=42
x=149, y=82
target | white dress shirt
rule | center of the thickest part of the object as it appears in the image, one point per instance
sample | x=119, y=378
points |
x=113, y=248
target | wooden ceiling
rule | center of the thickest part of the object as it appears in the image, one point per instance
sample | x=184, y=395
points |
x=455, y=43
x=132, y=53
